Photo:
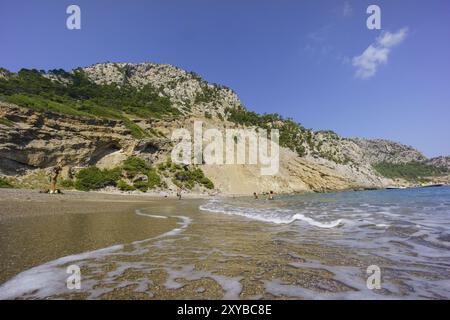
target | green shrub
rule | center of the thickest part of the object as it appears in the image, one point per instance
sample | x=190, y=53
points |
x=122, y=185
x=141, y=185
x=67, y=183
x=93, y=178
x=134, y=166
x=207, y=183
x=188, y=179
x=154, y=179
x=4, y=183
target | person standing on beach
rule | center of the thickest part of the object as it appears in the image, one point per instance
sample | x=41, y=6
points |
x=179, y=193
x=54, y=174
x=271, y=197
x=255, y=195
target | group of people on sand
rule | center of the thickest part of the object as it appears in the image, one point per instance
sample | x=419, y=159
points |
x=270, y=195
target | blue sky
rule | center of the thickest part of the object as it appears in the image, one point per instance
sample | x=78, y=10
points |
x=297, y=58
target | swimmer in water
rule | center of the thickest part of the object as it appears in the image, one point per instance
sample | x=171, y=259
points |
x=179, y=193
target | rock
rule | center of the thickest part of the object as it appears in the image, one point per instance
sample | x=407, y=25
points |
x=379, y=150
x=140, y=178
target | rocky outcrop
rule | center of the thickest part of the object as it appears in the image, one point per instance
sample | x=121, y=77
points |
x=442, y=162
x=379, y=150
x=184, y=89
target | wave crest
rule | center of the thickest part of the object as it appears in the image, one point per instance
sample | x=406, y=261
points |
x=271, y=215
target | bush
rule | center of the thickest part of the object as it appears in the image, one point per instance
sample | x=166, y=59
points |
x=93, y=178
x=122, y=185
x=154, y=179
x=67, y=183
x=188, y=179
x=207, y=183
x=134, y=166
x=4, y=183
x=141, y=185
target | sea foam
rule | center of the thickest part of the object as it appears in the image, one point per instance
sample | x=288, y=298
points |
x=271, y=215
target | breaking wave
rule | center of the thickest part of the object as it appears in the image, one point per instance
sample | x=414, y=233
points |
x=271, y=215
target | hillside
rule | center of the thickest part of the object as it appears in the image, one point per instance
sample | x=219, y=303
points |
x=107, y=113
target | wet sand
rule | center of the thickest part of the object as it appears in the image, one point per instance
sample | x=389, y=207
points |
x=36, y=228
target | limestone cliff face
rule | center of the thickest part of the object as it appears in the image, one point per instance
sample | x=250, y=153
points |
x=35, y=140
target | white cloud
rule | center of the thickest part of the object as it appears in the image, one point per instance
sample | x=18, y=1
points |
x=377, y=53
x=391, y=39
x=347, y=10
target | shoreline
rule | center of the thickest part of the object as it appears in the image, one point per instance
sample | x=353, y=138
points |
x=187, y=195
x=72, y=194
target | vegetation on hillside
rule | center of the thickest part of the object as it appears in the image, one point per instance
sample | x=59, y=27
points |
x=75, y=94
x=133, y=167
x=6, y=122
x=93, y=178
x=4, y=183
x=136, y=174
x=185, y=177
x=292, y=134
x=412, y=171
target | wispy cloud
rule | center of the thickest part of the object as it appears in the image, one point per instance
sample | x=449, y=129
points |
x=347, y=10
x=317, y=43
x=377, y=53
x=319, y=35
